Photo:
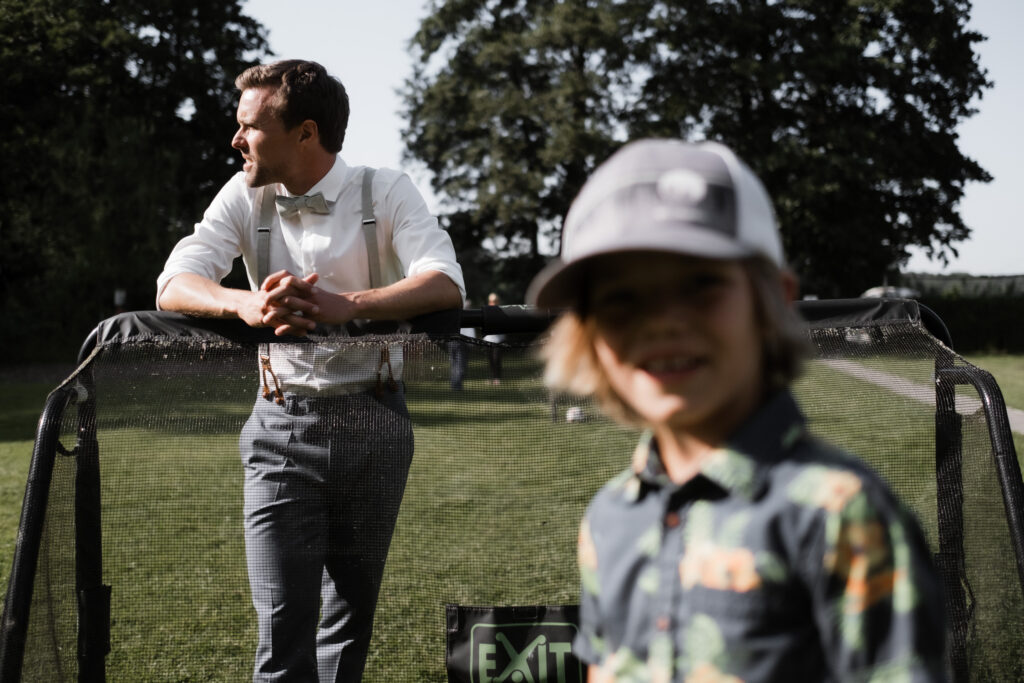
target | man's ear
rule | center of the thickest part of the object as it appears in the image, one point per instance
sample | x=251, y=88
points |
x=308, y=131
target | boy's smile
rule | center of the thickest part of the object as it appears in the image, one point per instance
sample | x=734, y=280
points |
x=678, y=339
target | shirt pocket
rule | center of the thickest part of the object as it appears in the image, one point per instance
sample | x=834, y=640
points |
x=768, y=608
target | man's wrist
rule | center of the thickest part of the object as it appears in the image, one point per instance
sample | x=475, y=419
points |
x=356, y=303
x=238, y=303
x=340, y=308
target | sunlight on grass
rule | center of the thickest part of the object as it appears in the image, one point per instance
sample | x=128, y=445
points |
x=498, y=484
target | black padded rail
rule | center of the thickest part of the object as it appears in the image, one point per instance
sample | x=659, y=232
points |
x=488, y=319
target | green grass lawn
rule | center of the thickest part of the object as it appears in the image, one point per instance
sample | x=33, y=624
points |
x=20, y=406
x=490, y=511
x=1009, y=373
x=481, y=487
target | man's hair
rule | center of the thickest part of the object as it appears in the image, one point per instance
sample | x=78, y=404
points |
x=304, y=90
x=572, y=365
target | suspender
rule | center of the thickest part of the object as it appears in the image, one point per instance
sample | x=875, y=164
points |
x=370, y=228
x=265, y=200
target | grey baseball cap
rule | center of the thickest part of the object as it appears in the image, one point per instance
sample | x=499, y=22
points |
x=661, y=195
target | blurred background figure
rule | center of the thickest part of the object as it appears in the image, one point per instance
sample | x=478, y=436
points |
x=495, y=351
x=457, y=355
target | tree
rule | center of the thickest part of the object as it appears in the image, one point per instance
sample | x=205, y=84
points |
x=847, y=109
x=119, y=115
x=511, y=124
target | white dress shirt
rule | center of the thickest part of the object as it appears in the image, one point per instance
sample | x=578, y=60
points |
x=409, y=238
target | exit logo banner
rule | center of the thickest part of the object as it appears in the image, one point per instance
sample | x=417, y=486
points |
x=529, y=644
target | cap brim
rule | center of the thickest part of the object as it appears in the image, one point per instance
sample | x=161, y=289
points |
x=555, y=285
x=560, y=284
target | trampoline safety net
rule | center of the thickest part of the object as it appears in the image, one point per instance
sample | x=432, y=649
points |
x=146, y=494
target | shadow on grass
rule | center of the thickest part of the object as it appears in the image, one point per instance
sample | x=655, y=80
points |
x=21, y=404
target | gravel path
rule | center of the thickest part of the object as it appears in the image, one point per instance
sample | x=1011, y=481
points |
x=900, y=385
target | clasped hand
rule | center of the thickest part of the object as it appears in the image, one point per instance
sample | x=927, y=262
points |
x=294, y=305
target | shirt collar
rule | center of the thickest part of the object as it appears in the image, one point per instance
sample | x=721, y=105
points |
x=741, y=465
x=331, y=184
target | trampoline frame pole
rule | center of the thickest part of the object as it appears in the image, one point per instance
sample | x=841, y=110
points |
x=18, y=603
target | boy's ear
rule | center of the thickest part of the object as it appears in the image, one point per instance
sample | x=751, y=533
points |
x=790, y=286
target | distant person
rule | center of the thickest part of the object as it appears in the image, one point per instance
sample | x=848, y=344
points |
x=458, y=361
x=329, y=443
x=736, y=547
x=494, y=353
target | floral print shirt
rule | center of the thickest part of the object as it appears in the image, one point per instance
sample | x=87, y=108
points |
x=784, y=559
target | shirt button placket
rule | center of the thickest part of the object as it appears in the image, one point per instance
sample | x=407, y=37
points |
x=306, y=249
x=668, y=559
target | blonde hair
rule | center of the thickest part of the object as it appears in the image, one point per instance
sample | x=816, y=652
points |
x=571, y=364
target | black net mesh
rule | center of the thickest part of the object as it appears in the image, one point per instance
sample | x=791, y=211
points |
x=501, y=474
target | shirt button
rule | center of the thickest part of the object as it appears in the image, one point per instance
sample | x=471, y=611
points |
x=662, y=623
x=672, y=520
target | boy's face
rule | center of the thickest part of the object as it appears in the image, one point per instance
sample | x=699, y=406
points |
x=678, y=339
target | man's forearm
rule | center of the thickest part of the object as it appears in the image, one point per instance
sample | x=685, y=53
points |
x=424, y=293
x=196, y=295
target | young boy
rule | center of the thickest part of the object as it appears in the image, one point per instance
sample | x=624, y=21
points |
x=737, y=547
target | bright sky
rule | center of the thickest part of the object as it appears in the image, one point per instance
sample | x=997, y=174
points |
x=364, y=45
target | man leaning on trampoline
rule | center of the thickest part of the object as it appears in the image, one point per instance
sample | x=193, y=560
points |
x=328, y=444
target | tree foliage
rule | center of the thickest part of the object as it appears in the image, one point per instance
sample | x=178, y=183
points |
x=118, y=115
x=847, y=109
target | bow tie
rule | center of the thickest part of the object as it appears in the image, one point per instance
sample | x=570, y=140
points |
x=314, y=203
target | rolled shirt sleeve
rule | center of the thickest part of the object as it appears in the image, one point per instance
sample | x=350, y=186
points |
x=419, y=243
x=216, y=240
